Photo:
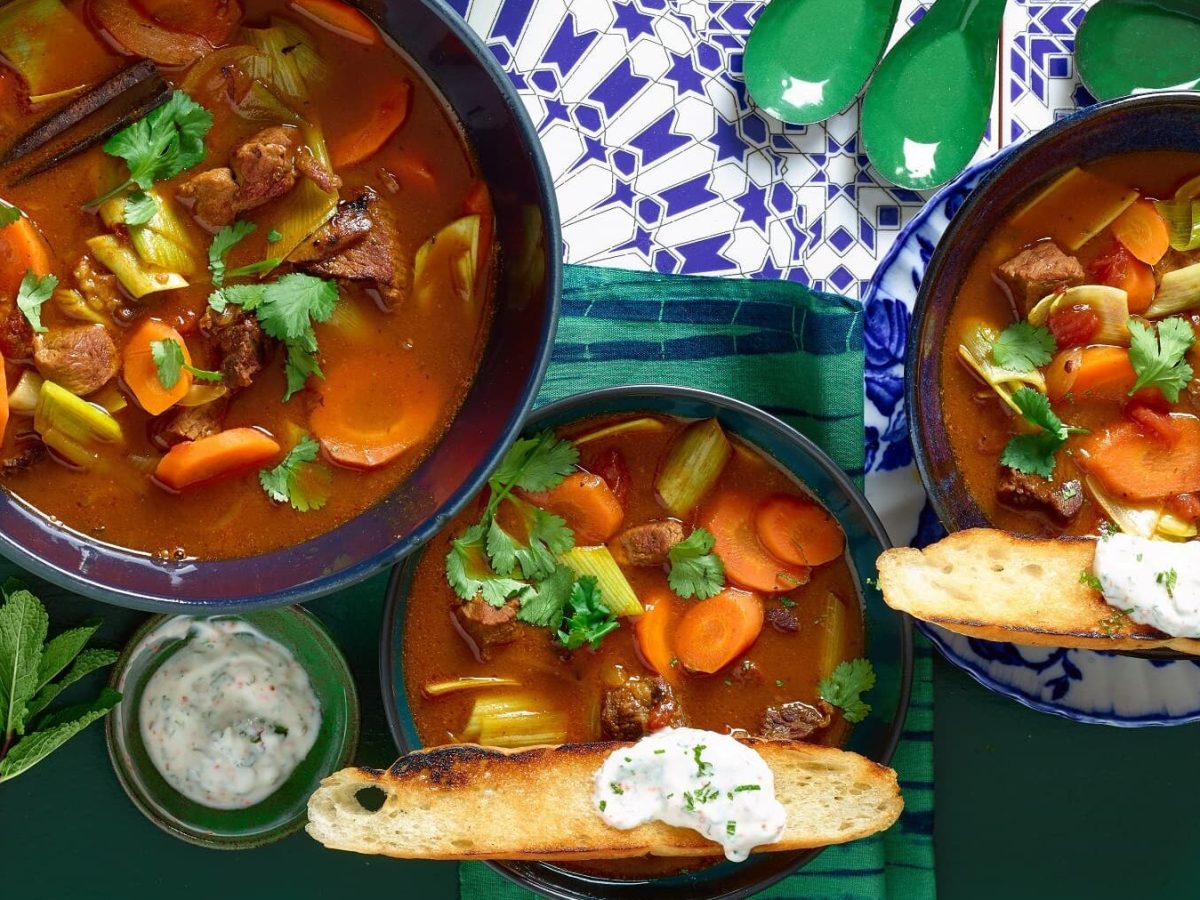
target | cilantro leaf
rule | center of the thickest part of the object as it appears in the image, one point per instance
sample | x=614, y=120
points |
x=544, y=608
x=8, y=214
x=845, y=686
x=32, y=293
x=501, y=548
x=300, y=366
x=224, y=241
x=1034, y=453
x=470, y=576
x=274, y=236
x=290, y=303
x=1022, y=347
x=535, y=464
x=1159, y=359
x=299, y=479
x=548, y=536
x=587, y=620
x=161, y=145
x=254, y=268
x=695, y=570
x=140, y=208
x=247, y=296
x=169, y=361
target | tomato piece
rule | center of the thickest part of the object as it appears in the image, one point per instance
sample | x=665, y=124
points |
x=1074, y=326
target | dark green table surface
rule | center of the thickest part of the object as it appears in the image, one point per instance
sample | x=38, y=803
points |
x=1025, y=802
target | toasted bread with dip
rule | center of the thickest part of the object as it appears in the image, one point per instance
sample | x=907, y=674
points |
x=469, y=802
x=998, y=586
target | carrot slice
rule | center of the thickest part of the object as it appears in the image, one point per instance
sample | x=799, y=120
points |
x=1102, y=373
x=588, y=504
x=339, y=18
x=219, y=454
x=1143, y=232
x=798, y=531
x=387, y=115
x=730, y=518
x=22, y=249
x=141, y=374
x=1135, y=466
x=714, y=632
x=653, y=631
x=359, y=427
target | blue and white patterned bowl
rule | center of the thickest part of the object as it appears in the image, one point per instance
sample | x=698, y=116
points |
x=1083, y=685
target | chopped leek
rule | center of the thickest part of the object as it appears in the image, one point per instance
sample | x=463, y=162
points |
x=73, y=305
x=110, y=397
x=467, y=683
x=1138, y=519
x=1095, y=202
x=616, y=592
x=629, y=425
x=73, y=427
x=260, y=105
x=832, y=621
x=1183, y=222
x=306, y=208
x=1110, y=304
x=454, y=249
x=1189, y=189
x=32, y=35
x=976, y=352
x=692, y=467
x=514, y=720
x=1177, y=291
x=135, y=276
x=164, y=241
x=23, y=398
x=287, y=58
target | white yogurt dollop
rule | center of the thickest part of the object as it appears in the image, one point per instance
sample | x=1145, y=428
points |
x=229, y=715
x=1155, y=582
x=694, y=779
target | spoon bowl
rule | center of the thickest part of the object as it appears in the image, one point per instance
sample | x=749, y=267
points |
x=1111, y=47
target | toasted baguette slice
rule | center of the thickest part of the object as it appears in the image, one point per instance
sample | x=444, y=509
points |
x=470, y=802
x=1001, y=587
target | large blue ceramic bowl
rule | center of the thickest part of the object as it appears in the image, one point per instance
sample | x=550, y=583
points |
x=889, y=636
x=478, y=93
x=1160, y=121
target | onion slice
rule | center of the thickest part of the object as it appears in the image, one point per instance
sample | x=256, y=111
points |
x=140, y=36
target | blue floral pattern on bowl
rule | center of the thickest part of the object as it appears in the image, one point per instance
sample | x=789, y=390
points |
x=1084, y=685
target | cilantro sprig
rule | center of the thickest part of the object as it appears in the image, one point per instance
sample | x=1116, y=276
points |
x=8, y=214
x=169, y=362
x=695, y=570
x=160, y=146
x=845, y=685
x=1022, y=347
x=587, y=620
x=29, y=667
x=1034, y=453
x=33, y=292
x=223, y=242
x=1158, y=358
x=299, y=480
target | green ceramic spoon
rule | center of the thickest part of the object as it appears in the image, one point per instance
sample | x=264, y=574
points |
x=928, y=104
x=1131, y=46
x=806, y=60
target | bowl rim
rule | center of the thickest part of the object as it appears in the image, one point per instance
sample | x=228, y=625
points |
x=574, y=403
x=336, y=663
x=77, y=579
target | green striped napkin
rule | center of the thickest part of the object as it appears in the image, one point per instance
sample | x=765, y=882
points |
x=799, y=355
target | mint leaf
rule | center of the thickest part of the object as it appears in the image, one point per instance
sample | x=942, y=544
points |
x=695, y=570
x=23, y=627
x=59, y=652
x=85, y=663
x=1158, y=358
x=1022, y=347
x=35, y=747
x=32, y=293
x=845, y=686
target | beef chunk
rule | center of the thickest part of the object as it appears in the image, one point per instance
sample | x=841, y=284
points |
x=16, y=336
x=216, y=196
x=795, y=721
x=241, y=342
x=370, y=256
x=782, y=620
x=1040, y=270
x=1061, y=501
x=638, y=707
x=190, y=423
x=81, y=358
x=99, y=288
x=265, y=166
x=649, y=544
x=486, y=626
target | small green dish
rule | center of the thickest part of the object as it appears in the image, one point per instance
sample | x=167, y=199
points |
x=282, y=813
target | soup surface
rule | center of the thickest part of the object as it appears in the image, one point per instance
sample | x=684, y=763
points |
x=257, y=347
x=1068, y=364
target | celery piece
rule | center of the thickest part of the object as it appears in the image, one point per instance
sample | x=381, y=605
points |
x=692, y=467
x=616, y=592
x=976, y=352
x=73, y=427
x=466, y=683
x=514, y=720
x=453, y=250
x=1177, y=291
x=135, y=276
x=832, y=622
x=23, y=398
x=624, y=427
